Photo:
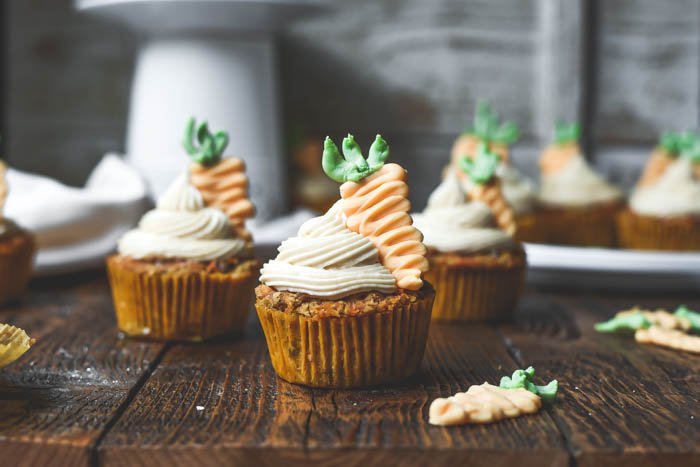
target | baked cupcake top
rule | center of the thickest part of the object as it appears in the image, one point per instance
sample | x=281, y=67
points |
x=566, y=177
x=675, y=192
x=201, y=216
x=366, y=240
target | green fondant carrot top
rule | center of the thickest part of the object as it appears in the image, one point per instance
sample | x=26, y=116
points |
x=353, y=166
x=566, y=133
x=523, y=379
x=483, y=167
x=487, y=126
x=675, y=143
x=204, y=147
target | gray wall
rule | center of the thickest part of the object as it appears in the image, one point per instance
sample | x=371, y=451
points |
x=411, y=69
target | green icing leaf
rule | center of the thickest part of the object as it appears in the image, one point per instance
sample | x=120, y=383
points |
x=482, y=169
x=692, y=151
x=627, y=323
x=488, y=128
x=676, y=143
x=202, y=146
x=566, y=133
x=523, y=379
x=692, y=316
x=352, y=166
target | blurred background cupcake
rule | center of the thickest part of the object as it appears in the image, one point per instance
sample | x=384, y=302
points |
x=579, y=206
x=664, y=208
x=476, y=266
x=187, y=271
x=17, y=249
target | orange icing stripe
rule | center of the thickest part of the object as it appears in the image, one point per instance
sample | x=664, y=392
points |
x=556, y=156
x=377, y=208
x=492, y=196
x=225, y=186
x=657, y=164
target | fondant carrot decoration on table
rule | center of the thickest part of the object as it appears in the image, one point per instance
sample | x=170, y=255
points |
x=14, y=342
x=486, y=187
x=375, y=202
x=221, y=181
x=487, y=129
x=563, y=149
x=670, y=147
x=514, y=396
x=661, y=328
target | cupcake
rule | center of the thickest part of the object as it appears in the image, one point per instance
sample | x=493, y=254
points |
x=578, y=205
x=476, y=266
x=17, y=249
x=187, y=271
x=344, y=305
x=664, y=209
x=519, y=191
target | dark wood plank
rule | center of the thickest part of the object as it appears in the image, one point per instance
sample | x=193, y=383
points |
x=389, y=425
x=620, y=403
x=56, y=401
x=214, y=404
x=222, y=404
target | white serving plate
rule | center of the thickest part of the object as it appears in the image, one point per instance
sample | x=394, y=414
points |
x=607, y=268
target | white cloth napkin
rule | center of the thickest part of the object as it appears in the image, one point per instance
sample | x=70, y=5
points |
x=77, y=227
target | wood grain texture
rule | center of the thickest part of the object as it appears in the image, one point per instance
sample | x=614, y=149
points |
x=82, y=396
x=224, y=402
x=57, y=399
x=620, y=403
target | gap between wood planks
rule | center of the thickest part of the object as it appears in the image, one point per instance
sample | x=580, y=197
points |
x=94, y=451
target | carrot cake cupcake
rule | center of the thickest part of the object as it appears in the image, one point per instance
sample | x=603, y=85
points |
x=579, y=206
x=17, y=249
x=187, y=271
x=476, y=266
x=664, y=209
x=344, y=303
x=519, y=191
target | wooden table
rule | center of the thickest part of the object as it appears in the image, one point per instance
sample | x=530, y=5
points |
x=85, y=396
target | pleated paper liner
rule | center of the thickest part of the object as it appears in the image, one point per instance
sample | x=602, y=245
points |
x=371, y=349
x=582, y=226
x=476, y=288
x=180, y=305
x=657, y=233
x=16, y=264
x=14, y=342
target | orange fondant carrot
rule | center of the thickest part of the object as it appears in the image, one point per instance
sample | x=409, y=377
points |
x=222, y=182
x=467, y=144
x=377, y=207
x=565, y=147
x=486, y=187
x=225, y=186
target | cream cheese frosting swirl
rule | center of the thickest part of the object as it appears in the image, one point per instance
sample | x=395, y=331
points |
x=676, y=193
x=576, y=184
x=518, y=190
x=328, y=260
x=450, y=224
x=181, y=227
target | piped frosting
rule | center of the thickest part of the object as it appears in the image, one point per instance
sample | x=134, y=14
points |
x=328, y=260
x=675, y=193
x=181, y=227
x=451, y=224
